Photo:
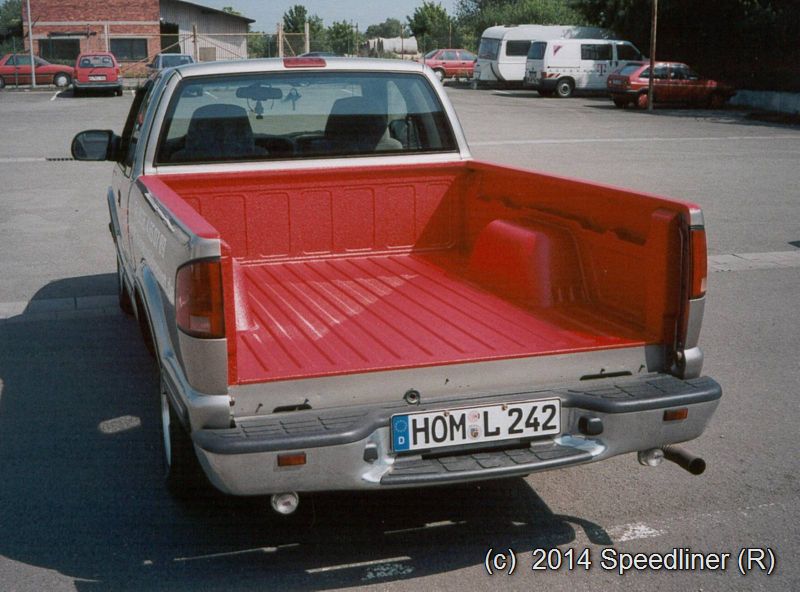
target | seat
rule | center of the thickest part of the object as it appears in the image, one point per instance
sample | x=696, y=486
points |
x=359, y=124
x=218, y=132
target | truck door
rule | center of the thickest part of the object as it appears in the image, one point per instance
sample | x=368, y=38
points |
x=595, y=64
x=679, y=87
x=22, y=68
x=124, y=174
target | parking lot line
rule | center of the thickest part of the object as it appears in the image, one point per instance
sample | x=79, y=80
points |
x=55, y=95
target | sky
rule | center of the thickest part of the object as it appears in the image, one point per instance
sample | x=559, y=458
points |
x=268, y=13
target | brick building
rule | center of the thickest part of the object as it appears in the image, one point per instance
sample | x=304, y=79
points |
x=133, y=30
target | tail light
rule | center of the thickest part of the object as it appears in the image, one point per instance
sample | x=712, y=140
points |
x=696, y=270
x=699, y=263
x=198, y=299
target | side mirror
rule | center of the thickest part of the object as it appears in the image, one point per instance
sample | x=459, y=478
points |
x=95, y=145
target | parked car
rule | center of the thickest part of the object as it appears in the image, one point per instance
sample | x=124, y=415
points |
x=673, y=83
x=97, y=71
x=451, y=63
x=562, y=66
x=15, y=68
x=168, y=60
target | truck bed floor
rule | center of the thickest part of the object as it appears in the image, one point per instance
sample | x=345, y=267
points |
x=358, y=314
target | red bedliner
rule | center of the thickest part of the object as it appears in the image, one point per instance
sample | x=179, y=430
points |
x=343, y=315
x=340, y=271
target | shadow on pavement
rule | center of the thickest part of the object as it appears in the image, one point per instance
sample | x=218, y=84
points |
x=82, y=492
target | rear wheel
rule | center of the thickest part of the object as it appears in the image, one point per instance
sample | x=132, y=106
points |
x=642, y=101
x=62, y=80
x=439, y=74
x=564, y=88
x=182, y=471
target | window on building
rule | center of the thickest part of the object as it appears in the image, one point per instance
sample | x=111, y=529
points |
x=60, y=50
x=129, y=49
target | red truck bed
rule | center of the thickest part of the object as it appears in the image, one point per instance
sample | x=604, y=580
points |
x=395, y=311
x=343, y=271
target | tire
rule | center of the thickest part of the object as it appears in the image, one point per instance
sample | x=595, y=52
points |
x=62, y=80
x=183, y=474
x=620, y=103
x=118, y=92
x=439, y=75
x=642, y=101
x=564, y=88
x=125, y=302
x=546, y=93
x=2, y=83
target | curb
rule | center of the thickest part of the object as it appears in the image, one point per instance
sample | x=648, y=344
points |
x=774, y=102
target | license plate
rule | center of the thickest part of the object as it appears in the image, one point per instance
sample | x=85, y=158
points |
x=97, y=77
x=472, y=425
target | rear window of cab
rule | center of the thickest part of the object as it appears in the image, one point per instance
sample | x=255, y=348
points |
x=280, y=115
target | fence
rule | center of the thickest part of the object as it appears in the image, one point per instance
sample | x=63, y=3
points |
x=134, y=51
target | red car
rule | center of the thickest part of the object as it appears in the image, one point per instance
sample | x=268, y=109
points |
x=97, y=71
x=673, y=83
x=451, y=63
x=15, y=68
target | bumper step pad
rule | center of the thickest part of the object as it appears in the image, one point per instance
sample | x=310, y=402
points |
x=501, y=463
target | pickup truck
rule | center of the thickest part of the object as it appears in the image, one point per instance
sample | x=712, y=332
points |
x=339, y=297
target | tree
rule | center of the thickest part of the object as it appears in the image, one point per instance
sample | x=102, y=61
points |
x=342, y=38
x=294, y=19
x=391, y=27
x=10, y=26
x=475, y=16
x=433, y=27
x=735, y=40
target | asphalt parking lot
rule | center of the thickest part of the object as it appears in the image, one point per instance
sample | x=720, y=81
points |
x=81, y=502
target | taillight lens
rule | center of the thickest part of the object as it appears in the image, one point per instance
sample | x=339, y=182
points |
x=198, y=299
x=699, y=275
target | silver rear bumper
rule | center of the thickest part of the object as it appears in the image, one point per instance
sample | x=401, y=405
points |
x=350, y=448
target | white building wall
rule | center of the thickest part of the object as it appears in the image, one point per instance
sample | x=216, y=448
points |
x=219, y=37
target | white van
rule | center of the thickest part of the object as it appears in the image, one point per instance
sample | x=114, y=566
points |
x=504, y=50
x=562, y=66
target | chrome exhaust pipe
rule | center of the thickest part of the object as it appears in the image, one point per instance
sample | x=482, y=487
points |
x=685, y=459
x=285, y=503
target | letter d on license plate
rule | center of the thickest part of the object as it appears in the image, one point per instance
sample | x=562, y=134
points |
x=471, y=425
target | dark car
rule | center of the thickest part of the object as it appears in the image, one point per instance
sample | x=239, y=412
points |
x=15, y=68
x=451, y=63
x=673, y=82
x=168, y=60
x=97, y=71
